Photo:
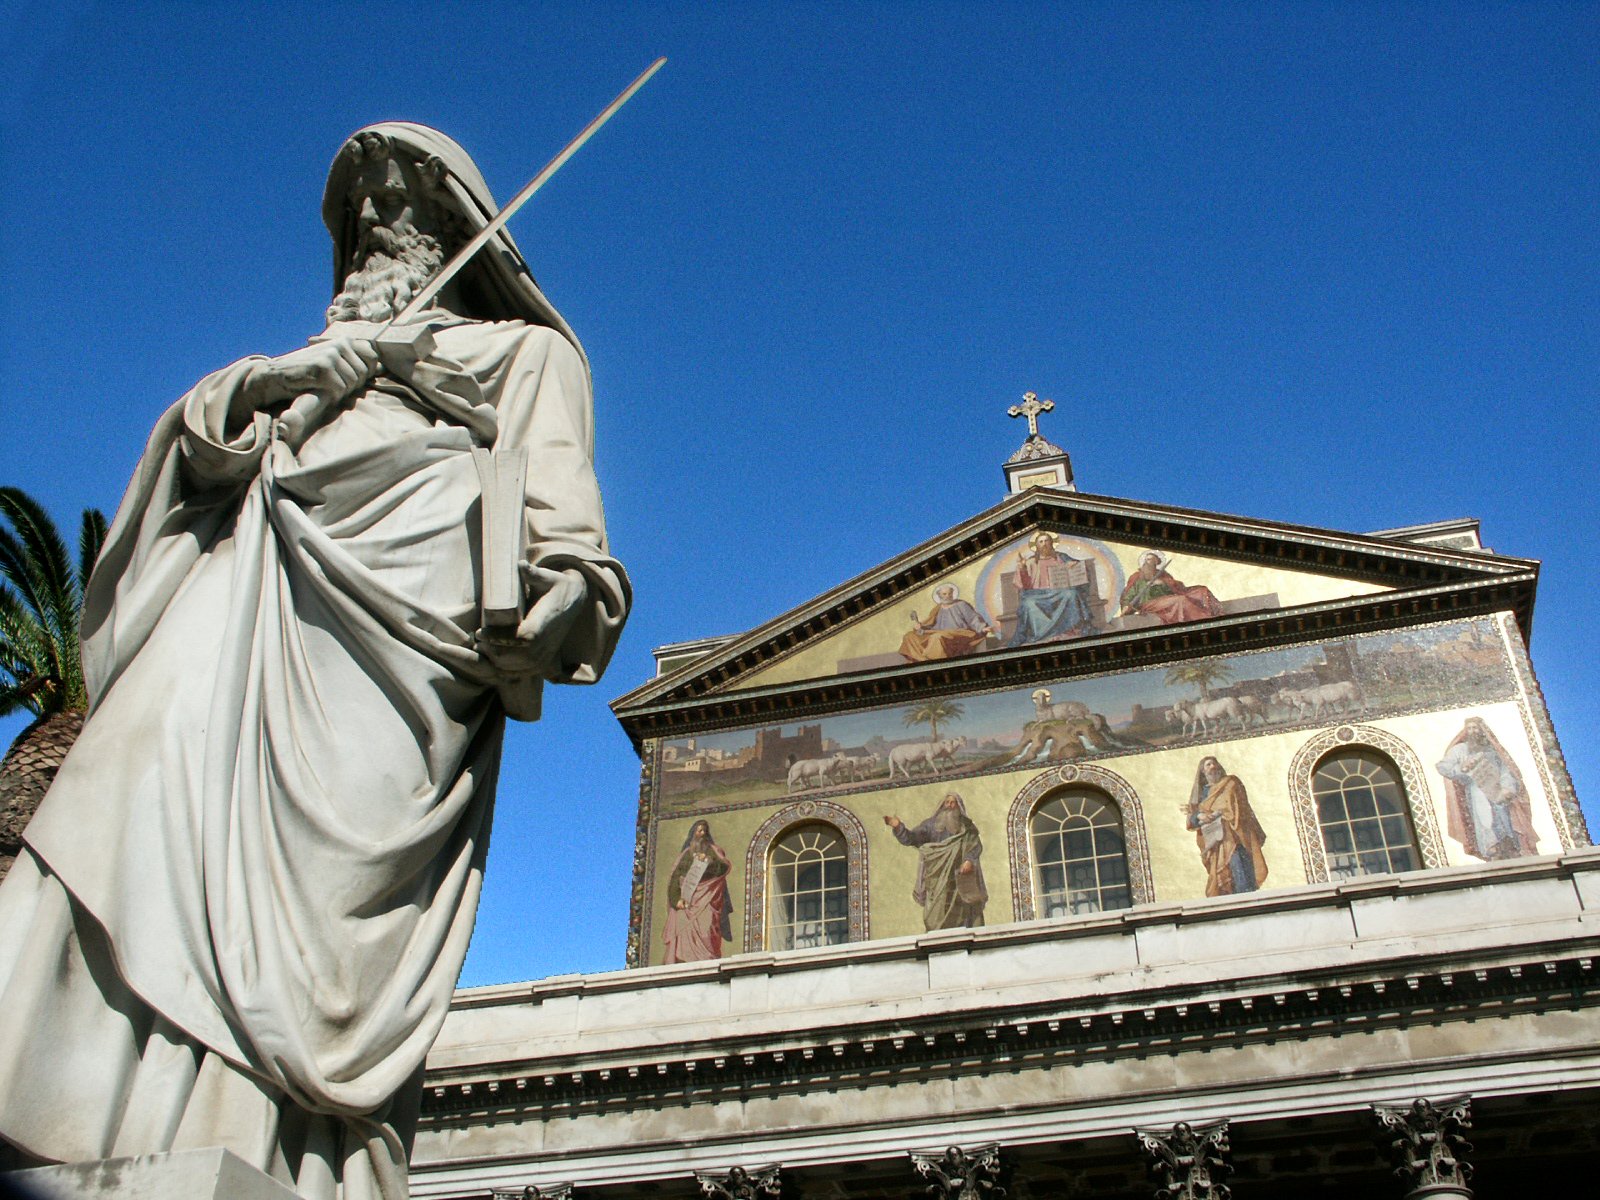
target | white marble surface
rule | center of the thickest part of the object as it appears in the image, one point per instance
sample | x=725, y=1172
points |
x=213, y=1174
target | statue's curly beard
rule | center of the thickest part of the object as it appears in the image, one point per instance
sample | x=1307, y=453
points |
x=390, y=268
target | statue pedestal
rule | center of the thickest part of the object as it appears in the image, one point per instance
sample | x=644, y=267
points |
x=210, y=1174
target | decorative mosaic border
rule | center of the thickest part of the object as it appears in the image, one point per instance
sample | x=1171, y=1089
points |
x=1118, y=789
x=1571, y=826
x=644, y=845
x=1419, y=800
x=755, y=869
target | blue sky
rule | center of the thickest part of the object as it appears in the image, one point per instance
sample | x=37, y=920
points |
x=1331, y=264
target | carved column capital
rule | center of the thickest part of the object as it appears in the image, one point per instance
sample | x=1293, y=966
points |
x=740, y=1184
x=957, y=1174
x=550, y=1191
x=1425, y=1139
x=1190, y=1162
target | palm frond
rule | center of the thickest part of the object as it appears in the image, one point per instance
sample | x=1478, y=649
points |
x=91, y=540
x=12, y=700
x=27, y=661
x=34, y=599
x=33, y=557
x=41, y=603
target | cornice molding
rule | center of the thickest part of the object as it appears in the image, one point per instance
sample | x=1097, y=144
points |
x=1322, y=1002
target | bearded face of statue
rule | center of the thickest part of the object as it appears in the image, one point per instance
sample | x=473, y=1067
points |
x=399, y=247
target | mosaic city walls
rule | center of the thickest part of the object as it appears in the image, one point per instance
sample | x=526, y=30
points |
x=1051, y=586
x=1445, y=705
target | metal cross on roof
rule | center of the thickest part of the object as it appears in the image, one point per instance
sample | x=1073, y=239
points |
x=1031, y=407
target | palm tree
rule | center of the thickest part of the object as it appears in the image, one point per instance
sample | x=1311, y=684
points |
x=1202, y=675
x=931, y=712
x=41, y=670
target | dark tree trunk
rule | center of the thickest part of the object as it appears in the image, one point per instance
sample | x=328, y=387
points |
x=25, y=775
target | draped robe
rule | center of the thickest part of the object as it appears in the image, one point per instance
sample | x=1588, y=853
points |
x=247, y=897
x=952, y=630
x=698, y=930
x=1230, y=837
x=949, y=899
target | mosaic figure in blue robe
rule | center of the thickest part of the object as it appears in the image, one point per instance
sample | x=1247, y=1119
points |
x=1053, y=596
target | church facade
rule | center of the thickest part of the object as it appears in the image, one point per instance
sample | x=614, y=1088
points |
x=1088, y=839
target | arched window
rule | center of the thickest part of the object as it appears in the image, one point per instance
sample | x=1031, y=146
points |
x=806, y=873
x=809, y=894
x=1080, y=860
x=1077, y=844
x=1363, y=815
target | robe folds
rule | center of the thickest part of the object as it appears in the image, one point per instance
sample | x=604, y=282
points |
x=257, y=870
x=698, y=930
x=1168, y=600
x=951, y=631
x=1230, y=838
x=949, y=899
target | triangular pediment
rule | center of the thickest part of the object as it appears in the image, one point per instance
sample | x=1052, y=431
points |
x=1060, y=571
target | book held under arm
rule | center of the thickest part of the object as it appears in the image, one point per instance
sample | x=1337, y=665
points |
x=503, y=479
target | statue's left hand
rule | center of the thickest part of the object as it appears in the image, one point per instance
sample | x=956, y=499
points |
x=535, y=649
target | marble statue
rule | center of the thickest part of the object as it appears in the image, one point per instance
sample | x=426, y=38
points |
x=245, y=902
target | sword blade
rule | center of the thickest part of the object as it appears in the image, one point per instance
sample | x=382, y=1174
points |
x=463, y=256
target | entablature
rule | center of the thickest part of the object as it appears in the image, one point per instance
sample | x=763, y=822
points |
x=1379, y=952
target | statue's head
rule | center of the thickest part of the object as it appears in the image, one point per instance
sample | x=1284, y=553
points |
x=403, y=224
x=400, y=196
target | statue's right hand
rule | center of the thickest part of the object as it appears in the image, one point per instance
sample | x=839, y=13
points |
x=331, y=369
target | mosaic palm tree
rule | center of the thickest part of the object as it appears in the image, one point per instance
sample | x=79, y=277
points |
x=931, y=712
x=1201, y=674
